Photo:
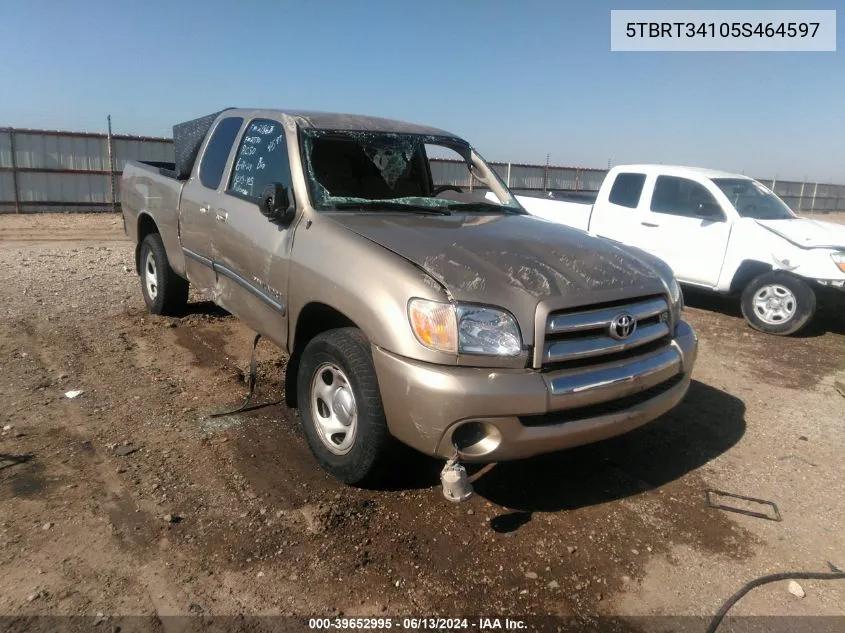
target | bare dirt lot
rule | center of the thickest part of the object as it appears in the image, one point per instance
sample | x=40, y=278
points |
x=129, y=499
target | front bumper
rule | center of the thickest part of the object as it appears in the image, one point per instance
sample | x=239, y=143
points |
x=527, y=412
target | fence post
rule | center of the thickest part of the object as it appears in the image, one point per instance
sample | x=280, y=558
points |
x=815, y=189
x=509, y=176
x=15, y=189
x=577, y=178
x=111, y=168
x=546, y=174
x=801, y=195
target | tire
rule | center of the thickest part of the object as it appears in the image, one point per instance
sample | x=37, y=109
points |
x=165, y=292
x=778, y=303
x=334, y=365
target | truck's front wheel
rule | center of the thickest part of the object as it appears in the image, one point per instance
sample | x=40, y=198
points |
x=340, y=405
x=165, y=292
x=778, y=303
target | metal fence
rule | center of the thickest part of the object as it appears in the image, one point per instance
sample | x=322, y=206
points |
x=52, y=170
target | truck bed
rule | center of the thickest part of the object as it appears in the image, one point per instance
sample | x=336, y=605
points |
x=574, y=214
x=151, y=189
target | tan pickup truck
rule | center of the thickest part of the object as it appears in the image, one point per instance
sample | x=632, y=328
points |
x=413, y=311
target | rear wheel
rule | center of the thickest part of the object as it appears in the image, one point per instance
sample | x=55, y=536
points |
x=164, y=291
x=778, y=303
x=340, y=405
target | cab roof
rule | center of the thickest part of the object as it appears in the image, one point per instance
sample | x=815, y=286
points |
x=348, y=122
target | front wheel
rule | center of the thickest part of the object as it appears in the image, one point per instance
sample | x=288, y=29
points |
x=340, y=405
x=778, y=303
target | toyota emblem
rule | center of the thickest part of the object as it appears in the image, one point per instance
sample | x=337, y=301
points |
x=622, y=326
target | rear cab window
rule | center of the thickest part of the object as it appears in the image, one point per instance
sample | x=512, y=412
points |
x=627, y=189
x=217, y=151
x=262, y=160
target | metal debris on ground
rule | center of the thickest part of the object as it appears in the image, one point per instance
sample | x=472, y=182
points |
x=456, y=486
x=769, y=509
x=70, y=395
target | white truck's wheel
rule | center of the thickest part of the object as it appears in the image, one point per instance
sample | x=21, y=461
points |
x=778, y=303
x=340, y=405
x=164, y=291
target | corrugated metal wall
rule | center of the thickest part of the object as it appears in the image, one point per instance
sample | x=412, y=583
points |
x=52, y=170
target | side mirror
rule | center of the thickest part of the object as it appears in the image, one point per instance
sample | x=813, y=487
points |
x=277, y=204
x=709, y=211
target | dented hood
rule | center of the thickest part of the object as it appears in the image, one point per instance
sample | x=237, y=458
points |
x=808, y=233
x=513, y=261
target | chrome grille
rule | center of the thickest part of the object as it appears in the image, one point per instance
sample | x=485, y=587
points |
x=587, y=333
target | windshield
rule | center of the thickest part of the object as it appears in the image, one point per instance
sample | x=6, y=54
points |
x=753, y=200
x=383, y=171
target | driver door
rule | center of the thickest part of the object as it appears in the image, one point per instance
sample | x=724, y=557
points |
x=251, y=253
x=685, y=226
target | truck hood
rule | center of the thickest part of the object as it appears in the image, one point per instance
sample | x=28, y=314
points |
x=513, y=261
x=808, y=233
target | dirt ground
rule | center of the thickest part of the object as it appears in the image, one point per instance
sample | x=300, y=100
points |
x=128, y=499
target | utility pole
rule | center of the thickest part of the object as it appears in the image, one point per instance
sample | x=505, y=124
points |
x=111, y=167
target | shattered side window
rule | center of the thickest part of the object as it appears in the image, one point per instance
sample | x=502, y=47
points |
x=345, y=168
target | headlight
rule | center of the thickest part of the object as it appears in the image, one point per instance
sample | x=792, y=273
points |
x=839, y=260
x=464, y=328
x=484, y=330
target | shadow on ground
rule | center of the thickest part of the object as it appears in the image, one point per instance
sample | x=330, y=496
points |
x=706, y=424
x=206, y=308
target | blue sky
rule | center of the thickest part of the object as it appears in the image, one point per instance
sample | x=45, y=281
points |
x=518, y=79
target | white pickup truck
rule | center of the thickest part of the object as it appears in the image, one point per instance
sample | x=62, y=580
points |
x=722, y=232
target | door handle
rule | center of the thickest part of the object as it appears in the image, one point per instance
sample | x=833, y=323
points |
x=222, y=216
x=650, y=224
x=204, y=209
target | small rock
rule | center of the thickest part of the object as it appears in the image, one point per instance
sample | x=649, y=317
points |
x=635, y=552
x=523, y=592
x=531, y=575
x=7, y=427
x=120, y=470
x=260, y=574
x=398, y=582
x=554, y=584
x=571, y=549
x=470, y=512
x=172, y=518
x=599, y=597
x=33, y=596
x=803, y=438
x=293, y=577
x=795, y=589
x=626, y=579
x=123, y=451
x=47, y=525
